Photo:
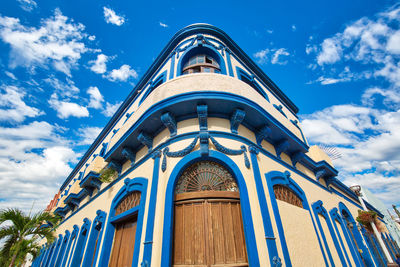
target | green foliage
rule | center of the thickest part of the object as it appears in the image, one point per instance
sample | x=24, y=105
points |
x=366, y=218
x=108, y=174
x=19, y=233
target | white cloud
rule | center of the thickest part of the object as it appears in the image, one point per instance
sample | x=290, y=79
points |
x=122, y=74
x=57, y=42
x=96, y=98
x=27, y=5
x=270, y=31
x=99, y=65
x=89, y=134
x=294, y=28
x=111, y=17
x=67, y=109
x=163, y=25
x=111, y=109
x=65, y=89
x=11, y=75
x=262, y=56
x=274, y=55
x=277, y=57
x=33, y=161
x=331, y=52
x=12, y=106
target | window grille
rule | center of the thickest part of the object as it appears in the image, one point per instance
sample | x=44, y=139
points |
x=286, y=194
x=130, y=201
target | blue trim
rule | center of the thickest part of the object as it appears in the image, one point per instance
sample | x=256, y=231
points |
x=246, y=78
x=269, y=232
x=60, y=255
x=148, y=240
x=71, y=243
x=344, y=211
x=71, y=246
x=165, y=53
x=335, y=217
x=200, y=49
x=49, y=254
x=393, y=243
x=283, y=178
x=228, y=60
x=379, y=248
x=160, y=79
x=316, y=207
x=193, y=135
x=136, y=184
x=80, y=245
x=388, y=245
x=369, y=245
x=59, y=242
x=219, y=157
x=172, y=66
x=96, y=233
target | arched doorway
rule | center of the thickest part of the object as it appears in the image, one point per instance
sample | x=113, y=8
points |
x=208, y=225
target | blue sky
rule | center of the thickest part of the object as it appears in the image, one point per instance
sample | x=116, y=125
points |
x=67, y=65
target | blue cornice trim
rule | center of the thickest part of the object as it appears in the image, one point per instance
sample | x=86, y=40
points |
x=159, y=61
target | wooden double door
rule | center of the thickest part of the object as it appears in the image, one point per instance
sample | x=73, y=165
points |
x=124, y=242
x=208, y=230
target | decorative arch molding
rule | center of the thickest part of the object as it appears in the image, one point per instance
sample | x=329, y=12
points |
x=56, y=250
x=81, y=243
x=283, y=178
x=94, y=240
x=201, y=48
x=130, y=185
x=345, y=213
x=228, y=163
x=319, y=209
x=250, y=80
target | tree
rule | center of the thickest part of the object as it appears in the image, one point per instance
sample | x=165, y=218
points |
x=20, y=233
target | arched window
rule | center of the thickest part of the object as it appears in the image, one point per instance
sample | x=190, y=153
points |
x=206, y=176
x=125, y=231
x=286, y=194
x=130, y=201
x=208, y=226
x=201, y=63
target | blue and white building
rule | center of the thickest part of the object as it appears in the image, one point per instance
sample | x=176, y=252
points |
x=205, y=164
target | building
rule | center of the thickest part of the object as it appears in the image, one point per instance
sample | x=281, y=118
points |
x=391, y=224
x=205, y=164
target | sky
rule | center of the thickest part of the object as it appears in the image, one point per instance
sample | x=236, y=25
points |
x=66, y=66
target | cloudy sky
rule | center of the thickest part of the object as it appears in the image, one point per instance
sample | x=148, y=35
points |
x=66, y=66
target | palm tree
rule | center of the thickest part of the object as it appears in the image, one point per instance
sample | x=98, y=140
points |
x=21, y=232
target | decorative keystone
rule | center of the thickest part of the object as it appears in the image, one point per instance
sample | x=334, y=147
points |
x=202, y=114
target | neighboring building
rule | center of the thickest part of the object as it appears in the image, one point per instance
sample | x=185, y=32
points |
x=207, y=165
x=391, y=224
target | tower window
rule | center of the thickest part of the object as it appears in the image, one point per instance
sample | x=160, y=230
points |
x=201, y=63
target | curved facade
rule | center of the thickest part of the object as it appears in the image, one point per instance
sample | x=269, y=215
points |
x=208, y=167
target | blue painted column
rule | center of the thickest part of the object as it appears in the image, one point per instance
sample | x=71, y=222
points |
x=148, y=240
x=270, y=238
x=56, y=250
x=335, y=217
